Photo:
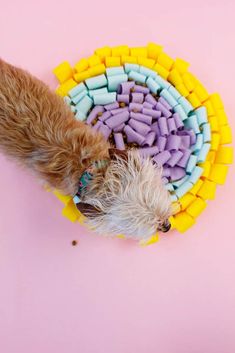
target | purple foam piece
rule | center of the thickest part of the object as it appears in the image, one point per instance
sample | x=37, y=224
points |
x=133, y=136
x=154, y=113
x=150, y=99
x=165, y=112
x=185, y=141
x=138, y=126
x=105, y=116
x=161, y=143
x=184, y=160
x=178, y=121
x=155, y=128
x=97, y=125
x=148, y=151
x=149, y=139
x=177, y=173
x=141, y=117
x=141, y=89
x=119, y=128
x=192, y=136
x=137, y=97
x=166, y=172
x=105, y=130
x=123, y=98
x=136, y=107
x=165, y=103
x=148, y=105
x=118, y=119
x=111, y=106
x=162, y=123
x=162, y=157
x=171, y=125
x=175, y=157
x=93, y=114
x=126, y=87
x=173, y=142
x=165, y=180
x=119, y=142
x=119, y=110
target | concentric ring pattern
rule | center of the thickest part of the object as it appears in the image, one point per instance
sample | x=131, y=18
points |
x=142, y=98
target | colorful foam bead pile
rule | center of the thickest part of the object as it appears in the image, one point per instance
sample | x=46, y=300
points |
x=141, y=98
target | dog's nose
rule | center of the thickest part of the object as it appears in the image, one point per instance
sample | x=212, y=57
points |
x=166, y=227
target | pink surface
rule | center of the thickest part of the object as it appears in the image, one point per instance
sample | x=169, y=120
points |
x=111, y=296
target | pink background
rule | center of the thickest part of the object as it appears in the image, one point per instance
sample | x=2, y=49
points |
x=112, y=296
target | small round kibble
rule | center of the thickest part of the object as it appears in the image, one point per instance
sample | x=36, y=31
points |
x=74, y=242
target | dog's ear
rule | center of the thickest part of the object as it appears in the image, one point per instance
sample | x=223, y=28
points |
x=114, y=153
x=87, y=210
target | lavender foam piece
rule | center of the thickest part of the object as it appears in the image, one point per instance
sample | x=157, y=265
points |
x=105, y=116
x=141, y=117
x=171, y=125
x=133, y=136
x=111, y=106
x=148, y=151
x=154, y=113
x=149, y=139
x=165, y=112
x=193, y=137
x=185, y=141
x=165, y=103
x=175, y=157
x=148, y=105
x=123, y=98
x=137, y=98
x=162, y=123
x=161, y=143
x=119, y=110
x=119, y=128
x=184, y=160
x=178, y=121
x=93, y=114
x=166, y=172
x=138, y=126
x=119, y=142
x=118, y=119
x=125, y=87
x=140, y=89
x=105, y=130
x=97, y=125
x=150, y=99
x=155, y=128
x=177, y=173
x=136, y=107
x=165, y=180
x=173, y=143
x=162, y=157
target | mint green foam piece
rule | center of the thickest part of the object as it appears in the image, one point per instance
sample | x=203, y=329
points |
x=192, y=123
x=136, y=76
x=173, y=91
x=147, y=72
x=79, y=97
x=201, y=114
x=185, y=105
x=114, y=81
x=93, y=92
x=173, y=197
x=198, y=145
x=178, y=109
x=131, y=67
x=80, y=115
x=179, y=182
x=203, y=152
x=195, y=175
x=191, y=163
x=84, y=105
x=162, y=82
x=96, y=82
x=106, y=98
x=168, y=97
x=169, y=187
x=117, y=70
x=67, y=100
x=77, y=89
x=153, y=85
x=183, y=189
x=206, y=132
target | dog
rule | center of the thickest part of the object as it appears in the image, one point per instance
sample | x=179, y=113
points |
x=124, y=193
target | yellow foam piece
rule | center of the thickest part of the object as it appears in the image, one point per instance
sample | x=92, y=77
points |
x=209, y=108
x=129, y=59
x=146, y=62
x=82, y=76
x=175, y=77
x=194, y=100
x=120, y=50
x=181, y=65
x=121, y=236
x=216, y=101
x=182, y=90
x=214, y=124
x=94, y=60
x=189, y=81
x=196, y=187
x=153, y=50
x=224, y=155
x=103, y=52
x=215, y=141
x=183, y=221
x=161, y=71
x=71, y=212
x=97, y=70
x=206, y=168
x=65, y=87
x=222, y=117
x=176, y=207
x=81, y=65
x=172, y=222
x=165, y=60
x=218, y=173
x=207, y=190
x=211, y=156
x=63, y=72
x=201, y=92
x=225, y=134
x=63, y=198
x=111, y=61
x=186, y=200
x=139, y=51
x=154, y=239
x=196, y=207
